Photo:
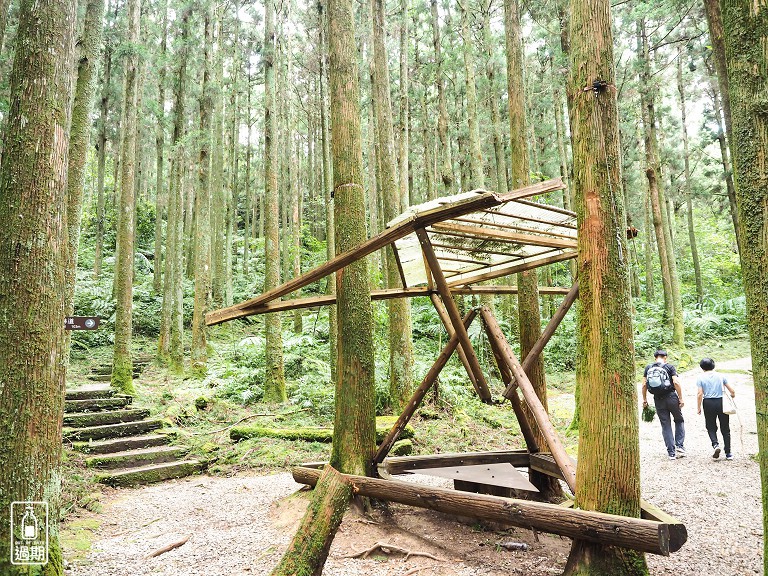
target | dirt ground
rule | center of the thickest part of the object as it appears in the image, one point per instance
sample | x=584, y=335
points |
x=241, y=525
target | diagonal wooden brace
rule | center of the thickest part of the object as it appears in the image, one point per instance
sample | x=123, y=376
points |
x=453, y=313
x=564, y=461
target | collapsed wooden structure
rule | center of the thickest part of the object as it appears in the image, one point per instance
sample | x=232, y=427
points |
x=443, y=248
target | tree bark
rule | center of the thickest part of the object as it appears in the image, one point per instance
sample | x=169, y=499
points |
x=404, y=142
x=33, y=260
x=476, y=175
x=122, y=363
x=608, y=475
x=493, y=102
x=199, y=350
x=688, y=193
x=102, y=158
x=746, y=36
x=399, y=310
x=161, y=196
x=309, y=547
x=354, y=420
x=446, y=164
x=649, y=288
x=528, y=297
x=274, y=382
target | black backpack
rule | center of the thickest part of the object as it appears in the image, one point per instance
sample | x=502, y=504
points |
x=658, y=380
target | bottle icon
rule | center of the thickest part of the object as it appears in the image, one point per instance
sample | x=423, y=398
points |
x=29, y=525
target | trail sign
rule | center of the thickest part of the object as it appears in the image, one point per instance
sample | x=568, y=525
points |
x=81, y=322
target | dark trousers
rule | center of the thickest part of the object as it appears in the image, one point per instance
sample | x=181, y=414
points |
x=668, y=408
x=713, y=410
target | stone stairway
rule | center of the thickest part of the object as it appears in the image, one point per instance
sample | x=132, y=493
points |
x=127, y=446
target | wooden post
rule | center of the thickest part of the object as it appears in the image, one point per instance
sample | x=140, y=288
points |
x=539, y=413
x=420, y=392
x=308, y=550
x=610, y=529
x=441, y=312
x=549, y=330
x=453, y=313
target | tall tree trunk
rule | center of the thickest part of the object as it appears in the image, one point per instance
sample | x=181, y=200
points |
x=649, y=289
x=33, y=259
x=122, y=363
x=274, y=381
x=493, y=103
x=296, y=222
x=161, y=196
x=688, y=194
x=250, y=197
x=712, y=8
x=476, y=175
x=399, y=310
x=218, y=189
x=354, y=421
x=330, y=239
x=80, y=133
x=446, y=164
x=199, y=350
x=746, y=38
x=404, y=142
x=233, y=197
x=608, y=476
x=528, y=295
x=102, y=158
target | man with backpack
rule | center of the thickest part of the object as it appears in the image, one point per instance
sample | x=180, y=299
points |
x=660, y=379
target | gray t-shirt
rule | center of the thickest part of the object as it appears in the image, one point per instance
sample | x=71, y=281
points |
x=712, y=384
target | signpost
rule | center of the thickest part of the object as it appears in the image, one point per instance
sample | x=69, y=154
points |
x=81, y=323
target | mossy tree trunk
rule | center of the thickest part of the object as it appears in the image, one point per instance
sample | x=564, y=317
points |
x=746, y=36
x=493, y=102
x=122, y=363
x=102, y=157
x=399, y=310
x=662, y=221
x=688, y=193
x=33, y=260
x=80, y=132
x=161, y=197
x=405, y=116
x=199, y=350
x=528, y=296
x=170, y=341
x=354, y=420
x=476, y=174
x=325, y=137
x=218, y=194
x=446, y=164
x=608, y=475
x=309, y=547
x=274, y=384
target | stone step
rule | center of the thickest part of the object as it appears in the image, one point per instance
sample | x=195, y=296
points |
x=137, y=457
x=96, y=404
x=149, y=474
x=122, y=444
x=108, y=377
x=87, y=419
x=89, y=392
x=112, y=430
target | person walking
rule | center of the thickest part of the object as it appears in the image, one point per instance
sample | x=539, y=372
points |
x=710, y=397
x=661, y=380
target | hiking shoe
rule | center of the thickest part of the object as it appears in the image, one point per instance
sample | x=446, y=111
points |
x=681, y=453
x=729, y=456
x=716, y=455
x=672, y=457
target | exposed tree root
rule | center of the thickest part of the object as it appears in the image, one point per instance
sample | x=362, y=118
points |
x=389, y=549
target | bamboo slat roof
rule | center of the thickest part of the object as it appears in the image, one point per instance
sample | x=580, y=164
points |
x=477, y=236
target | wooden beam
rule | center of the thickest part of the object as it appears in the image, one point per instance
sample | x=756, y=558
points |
x=609, y=529
x=503, y=236
x=493, y=289
x=453, y=314
x=534, y=404
x=546, y=335
x=446, y=320
x=529, y=218
x=489, y=222
x=517, y=405
x=418, y=395
x=533, y=190
x=405, y=464
x=500, y=271
x=549, y=207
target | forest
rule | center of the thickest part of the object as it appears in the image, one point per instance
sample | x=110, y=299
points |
x=185, y=188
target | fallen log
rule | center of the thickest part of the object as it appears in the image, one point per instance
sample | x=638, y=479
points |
x=309, y=548
x=634, y=533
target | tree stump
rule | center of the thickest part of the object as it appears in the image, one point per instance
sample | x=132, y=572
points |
x=308, y=550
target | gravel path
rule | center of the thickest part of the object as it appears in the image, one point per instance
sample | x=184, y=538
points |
x=238, y=527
